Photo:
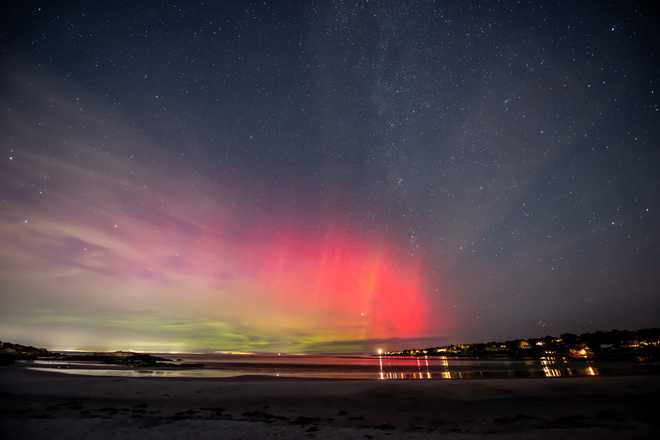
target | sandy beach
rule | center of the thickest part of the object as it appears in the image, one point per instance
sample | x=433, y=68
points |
x=51, y=405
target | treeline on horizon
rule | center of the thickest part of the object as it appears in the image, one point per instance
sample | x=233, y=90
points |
x=10, y=353
x=643, y=342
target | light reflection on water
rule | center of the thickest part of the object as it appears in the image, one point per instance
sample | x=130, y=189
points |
x=339, y=367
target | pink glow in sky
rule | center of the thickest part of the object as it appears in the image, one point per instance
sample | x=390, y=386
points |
x=137, y=251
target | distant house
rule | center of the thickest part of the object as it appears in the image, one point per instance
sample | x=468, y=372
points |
x=580, y=352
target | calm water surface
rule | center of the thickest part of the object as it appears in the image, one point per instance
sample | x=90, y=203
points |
x=356, y=367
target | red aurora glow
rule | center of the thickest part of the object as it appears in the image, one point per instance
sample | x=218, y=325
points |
x=334, y=278
x=189, y=268
x=354, y=283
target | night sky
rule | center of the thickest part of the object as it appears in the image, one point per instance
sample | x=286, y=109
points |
x=326, y=176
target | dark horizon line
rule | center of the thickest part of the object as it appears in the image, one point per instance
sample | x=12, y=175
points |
x=333, y=353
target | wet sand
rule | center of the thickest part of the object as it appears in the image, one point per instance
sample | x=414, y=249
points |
x=39, y=405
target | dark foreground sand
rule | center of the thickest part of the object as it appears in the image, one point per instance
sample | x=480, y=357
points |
x=39, y=405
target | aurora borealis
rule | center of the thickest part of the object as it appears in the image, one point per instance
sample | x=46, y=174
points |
x=136, y=252
x=325, y=176
x=100, y=250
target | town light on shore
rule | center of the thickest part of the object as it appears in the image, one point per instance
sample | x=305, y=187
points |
x=379, y=351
